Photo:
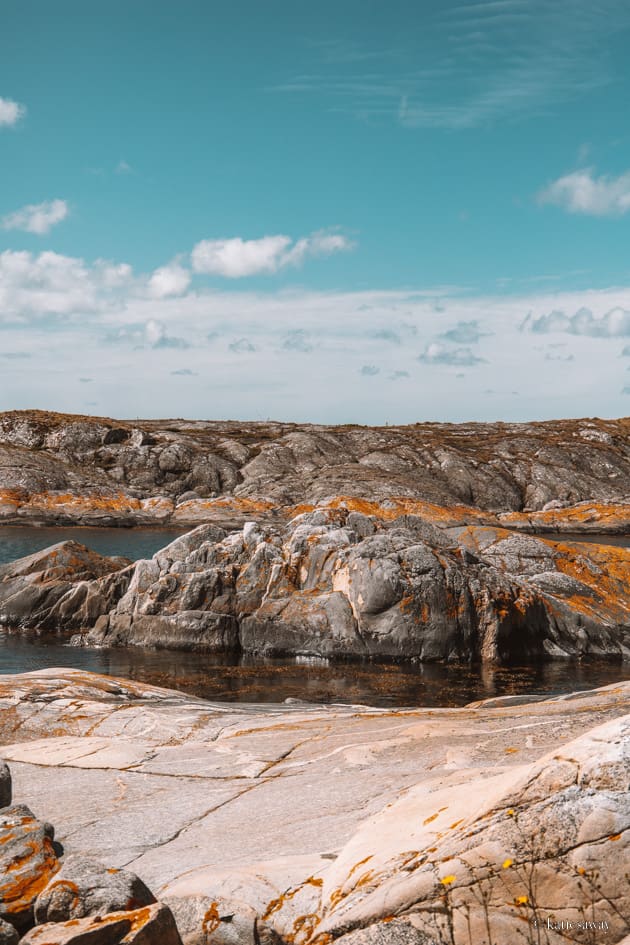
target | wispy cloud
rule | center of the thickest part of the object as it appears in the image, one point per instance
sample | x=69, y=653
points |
x=10, y=112
x=464, y=333
x=582, y=192
x=472, y=64
x=236, y=258
x=38, y=218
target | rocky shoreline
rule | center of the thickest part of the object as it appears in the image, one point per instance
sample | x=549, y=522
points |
x=419, y=542
x=504, y=821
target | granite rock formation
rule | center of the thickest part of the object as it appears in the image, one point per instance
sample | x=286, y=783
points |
x=313, y=825
x=337, y=583
x=57, y=468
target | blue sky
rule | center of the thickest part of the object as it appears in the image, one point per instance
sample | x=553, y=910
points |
x=374, y=212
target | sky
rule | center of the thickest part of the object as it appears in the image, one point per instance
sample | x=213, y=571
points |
x=349, y=212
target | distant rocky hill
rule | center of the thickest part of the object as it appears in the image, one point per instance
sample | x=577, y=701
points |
x=64, y=468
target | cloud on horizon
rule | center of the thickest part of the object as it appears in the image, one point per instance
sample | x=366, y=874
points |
x=613, y=324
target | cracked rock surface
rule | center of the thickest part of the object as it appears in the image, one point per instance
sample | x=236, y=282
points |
x=325, y=822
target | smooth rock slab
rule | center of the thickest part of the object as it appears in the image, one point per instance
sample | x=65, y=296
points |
x=8, y=935
x=153, y=925
x=5, y=785
x=85, y=887
x=27, y=863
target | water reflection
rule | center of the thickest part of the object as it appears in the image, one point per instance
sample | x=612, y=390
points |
x=250, y=679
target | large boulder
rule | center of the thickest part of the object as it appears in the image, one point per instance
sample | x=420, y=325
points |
x=85, y=887
x=152, y=925
x=202, y=920
x=28, y=862
x=5, y=785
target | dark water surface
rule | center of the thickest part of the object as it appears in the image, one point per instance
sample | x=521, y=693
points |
x=230, y=679
x=249, y=679
x=17, y=541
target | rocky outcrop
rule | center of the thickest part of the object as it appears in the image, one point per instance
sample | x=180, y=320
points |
x=64, y=583
x=27, y=862
x=338, y=583
x=323, y=824
x=85, y=887
x=57, y=468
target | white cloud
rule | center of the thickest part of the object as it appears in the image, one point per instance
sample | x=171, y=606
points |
x=581, y=192
x=612, y=324
x=436, y=353
x=169, y=280
x=235, y=258
x=10, y=112
x=99, y=320
x=37, y=218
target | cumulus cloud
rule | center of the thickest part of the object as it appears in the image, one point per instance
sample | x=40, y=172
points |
x=464, y=333
x=582, y=192
x=626, y=352
x=436, y=353
x=369, y=370
x=185, y=372
x=613, y=324
x=235, y=258
x=15, y=355
x=398, y=375
x=241, y=346
x=297, y=340
x=38, y=218
x=169, y=280
x=10, y=112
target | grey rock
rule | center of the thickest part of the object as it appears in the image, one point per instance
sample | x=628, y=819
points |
x=202, y=920
x=396, y=932
x=85, y=887
x=5, y=785
x=8, y=934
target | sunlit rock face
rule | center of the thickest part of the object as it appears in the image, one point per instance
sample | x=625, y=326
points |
x=337, y=583
x=315, y=824
x=58, y=468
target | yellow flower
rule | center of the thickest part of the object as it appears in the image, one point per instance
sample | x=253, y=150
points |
x=447, y=880
x=522, y=900
x=507, y=864
x=510, y=813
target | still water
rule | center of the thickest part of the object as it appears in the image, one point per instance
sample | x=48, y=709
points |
x=249, y=679
x=17, y=541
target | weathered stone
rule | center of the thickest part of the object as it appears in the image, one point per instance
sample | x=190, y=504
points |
x=328, y=819
x=50, y=460
x=152, y=925
x=85, y=887
x=27, y=863
x=5, y=785
x=394, y=932
x=205, y=921
x=8, y=934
